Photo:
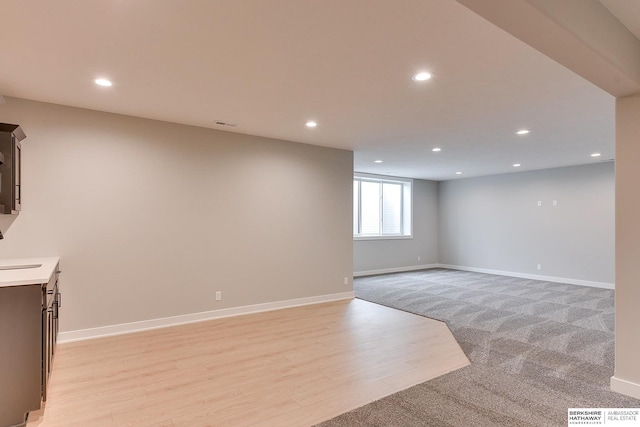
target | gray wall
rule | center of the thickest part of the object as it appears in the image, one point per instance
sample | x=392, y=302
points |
x=377, y=255
x=151, y=218
x=494, y=222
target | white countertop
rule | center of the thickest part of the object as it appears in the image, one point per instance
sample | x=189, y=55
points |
x=27, y=276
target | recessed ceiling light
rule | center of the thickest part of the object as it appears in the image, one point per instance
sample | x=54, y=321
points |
x=516, y=165
x=596, y=155
x=103, y=82
x=436, y=149
x=523, y=132
x=378, y=161
x=458, y=173
x=311, y=124
x=420, y=77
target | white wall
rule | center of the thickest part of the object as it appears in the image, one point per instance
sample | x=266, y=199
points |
x=398, y=254
x=150, y=218
x=494, y=222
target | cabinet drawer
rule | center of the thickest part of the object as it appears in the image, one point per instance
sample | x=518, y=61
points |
x=52, y=288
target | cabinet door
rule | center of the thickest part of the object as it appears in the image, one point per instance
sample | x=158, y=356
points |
x=20, y=352
x=56, y=318
x=49, y=330
x=46, y=353
x=17, y=170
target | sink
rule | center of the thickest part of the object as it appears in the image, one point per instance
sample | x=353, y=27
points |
x=20, y=267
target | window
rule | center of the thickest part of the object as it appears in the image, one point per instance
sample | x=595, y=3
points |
x=381, y=207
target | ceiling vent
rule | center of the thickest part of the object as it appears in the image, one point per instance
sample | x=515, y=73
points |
x=222, y=123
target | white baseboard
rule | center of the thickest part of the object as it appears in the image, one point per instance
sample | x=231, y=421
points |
x=569, y=281
x=532, y=276
x=393, y=270
x=625, y=387
x=145, y=325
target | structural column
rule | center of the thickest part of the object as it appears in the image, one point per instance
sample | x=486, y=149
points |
x=626, y=378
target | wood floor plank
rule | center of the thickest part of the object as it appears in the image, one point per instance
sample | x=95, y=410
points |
x=290, y=367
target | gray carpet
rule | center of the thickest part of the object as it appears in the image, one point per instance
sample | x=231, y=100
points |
x=536, y=349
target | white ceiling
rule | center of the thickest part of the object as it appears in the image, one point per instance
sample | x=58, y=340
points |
x=269, y=66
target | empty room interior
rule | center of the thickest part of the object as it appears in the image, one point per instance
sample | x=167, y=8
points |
x=336, y=213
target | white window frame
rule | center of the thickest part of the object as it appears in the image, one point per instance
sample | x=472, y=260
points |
x=406, y=209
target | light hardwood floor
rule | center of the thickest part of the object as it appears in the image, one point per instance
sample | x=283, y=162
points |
x=291, y=367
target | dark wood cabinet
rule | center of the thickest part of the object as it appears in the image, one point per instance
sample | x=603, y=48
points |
x=10, y=173
x=28, y=335
x=20, y=352
x=50, y=309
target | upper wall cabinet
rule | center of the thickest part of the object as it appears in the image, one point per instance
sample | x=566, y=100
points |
x=10, y=158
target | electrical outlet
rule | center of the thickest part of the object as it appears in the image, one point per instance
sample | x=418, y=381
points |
x=218, y=295
x=539, y=202
x=346, y=280
x=539, y=266
x=419, y=258
x=555, y=203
